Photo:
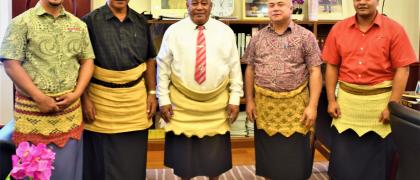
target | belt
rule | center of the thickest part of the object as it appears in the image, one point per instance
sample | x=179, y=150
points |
x=115, y=85
x=364, y=92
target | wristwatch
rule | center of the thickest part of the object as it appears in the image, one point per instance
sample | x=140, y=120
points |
x=152, y=92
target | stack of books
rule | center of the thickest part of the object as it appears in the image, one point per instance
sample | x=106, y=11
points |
x=411, y=99
x=242, y=127
x=237, y=129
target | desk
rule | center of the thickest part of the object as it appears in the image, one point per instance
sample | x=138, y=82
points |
x=411, y=100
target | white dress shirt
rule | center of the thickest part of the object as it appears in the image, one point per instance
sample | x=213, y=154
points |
x=178, y=55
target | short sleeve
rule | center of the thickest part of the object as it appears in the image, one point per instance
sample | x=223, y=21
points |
x=151, y=53
x=402, y=53
x=330, y=53
x=87, y=50
x=312, y=52
x=15, y=41
x=249, y=55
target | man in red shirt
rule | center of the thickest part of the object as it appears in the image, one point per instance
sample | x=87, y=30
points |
x=369, y=55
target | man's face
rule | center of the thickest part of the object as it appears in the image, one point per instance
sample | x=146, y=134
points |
x=117, y=4
x=199, y=10
x=365, y=8
x=54, y=3
x=279, y=10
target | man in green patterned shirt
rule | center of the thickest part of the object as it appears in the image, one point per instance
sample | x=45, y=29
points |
x=48, y=55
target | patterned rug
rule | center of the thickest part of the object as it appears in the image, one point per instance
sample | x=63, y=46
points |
x=319, y=172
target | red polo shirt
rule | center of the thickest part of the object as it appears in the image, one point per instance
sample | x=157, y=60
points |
x=370, y=57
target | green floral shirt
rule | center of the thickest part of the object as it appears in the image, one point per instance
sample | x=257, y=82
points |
x=49, y=48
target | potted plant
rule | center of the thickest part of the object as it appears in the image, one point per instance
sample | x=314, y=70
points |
x=297, y=4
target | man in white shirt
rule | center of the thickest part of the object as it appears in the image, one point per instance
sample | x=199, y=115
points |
x=199, y=87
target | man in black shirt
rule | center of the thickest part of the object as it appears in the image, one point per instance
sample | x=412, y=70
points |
x=120, y=101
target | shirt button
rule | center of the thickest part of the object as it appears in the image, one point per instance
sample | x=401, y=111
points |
x=359, y=75
x=361, y=48
x=360, y=62
x=363, y=35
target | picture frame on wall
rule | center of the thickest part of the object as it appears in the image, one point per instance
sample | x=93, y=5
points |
x=168, y=8
x=257, y=10
x=331, y=9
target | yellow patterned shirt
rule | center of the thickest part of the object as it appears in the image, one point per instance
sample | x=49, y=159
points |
x=49, y=48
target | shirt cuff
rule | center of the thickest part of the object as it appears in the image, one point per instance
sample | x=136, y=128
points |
x=164, y=100
x=4, y=58
x=234, y=99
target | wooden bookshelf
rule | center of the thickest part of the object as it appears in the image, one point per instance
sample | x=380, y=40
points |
x=158, y=28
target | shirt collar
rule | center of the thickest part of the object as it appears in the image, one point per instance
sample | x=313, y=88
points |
x=378, y=20
x=109, y=15
x=290, y=27
x=39, y=10
x=194, y=26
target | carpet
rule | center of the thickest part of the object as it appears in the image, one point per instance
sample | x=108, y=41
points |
x=247, y=172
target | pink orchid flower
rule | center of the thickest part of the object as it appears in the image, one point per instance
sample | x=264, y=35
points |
x=32, y=161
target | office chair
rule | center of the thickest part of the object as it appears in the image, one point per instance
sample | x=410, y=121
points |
x=405, y=125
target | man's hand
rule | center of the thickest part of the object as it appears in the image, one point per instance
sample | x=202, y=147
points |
x=309, y=116
x=334, y=109
x=384, y=117
x=66, y=100
x=88, y=108
x=251, y=111
x=166, y=111
x=46, y=104
x=151, y=106
x=232, y=112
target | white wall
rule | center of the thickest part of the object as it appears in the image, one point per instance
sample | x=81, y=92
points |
x=6, y=86
x=406, y=12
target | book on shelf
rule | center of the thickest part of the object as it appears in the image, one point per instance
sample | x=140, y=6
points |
x=226, y=18
x=170, y=17
x=242, y=127
x=411, y=99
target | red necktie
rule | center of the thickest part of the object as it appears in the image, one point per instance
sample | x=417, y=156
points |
x=200, y=59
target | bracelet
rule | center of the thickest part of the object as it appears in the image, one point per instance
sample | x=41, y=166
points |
x=152, y=92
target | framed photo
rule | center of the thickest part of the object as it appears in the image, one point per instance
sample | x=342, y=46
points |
x=257, y=10
x=331, y=9
x=169, y=8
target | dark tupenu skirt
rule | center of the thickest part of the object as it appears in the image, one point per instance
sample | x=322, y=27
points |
x=115, y=156
x=190, y=157
x=368, y=157
x=279, y=157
